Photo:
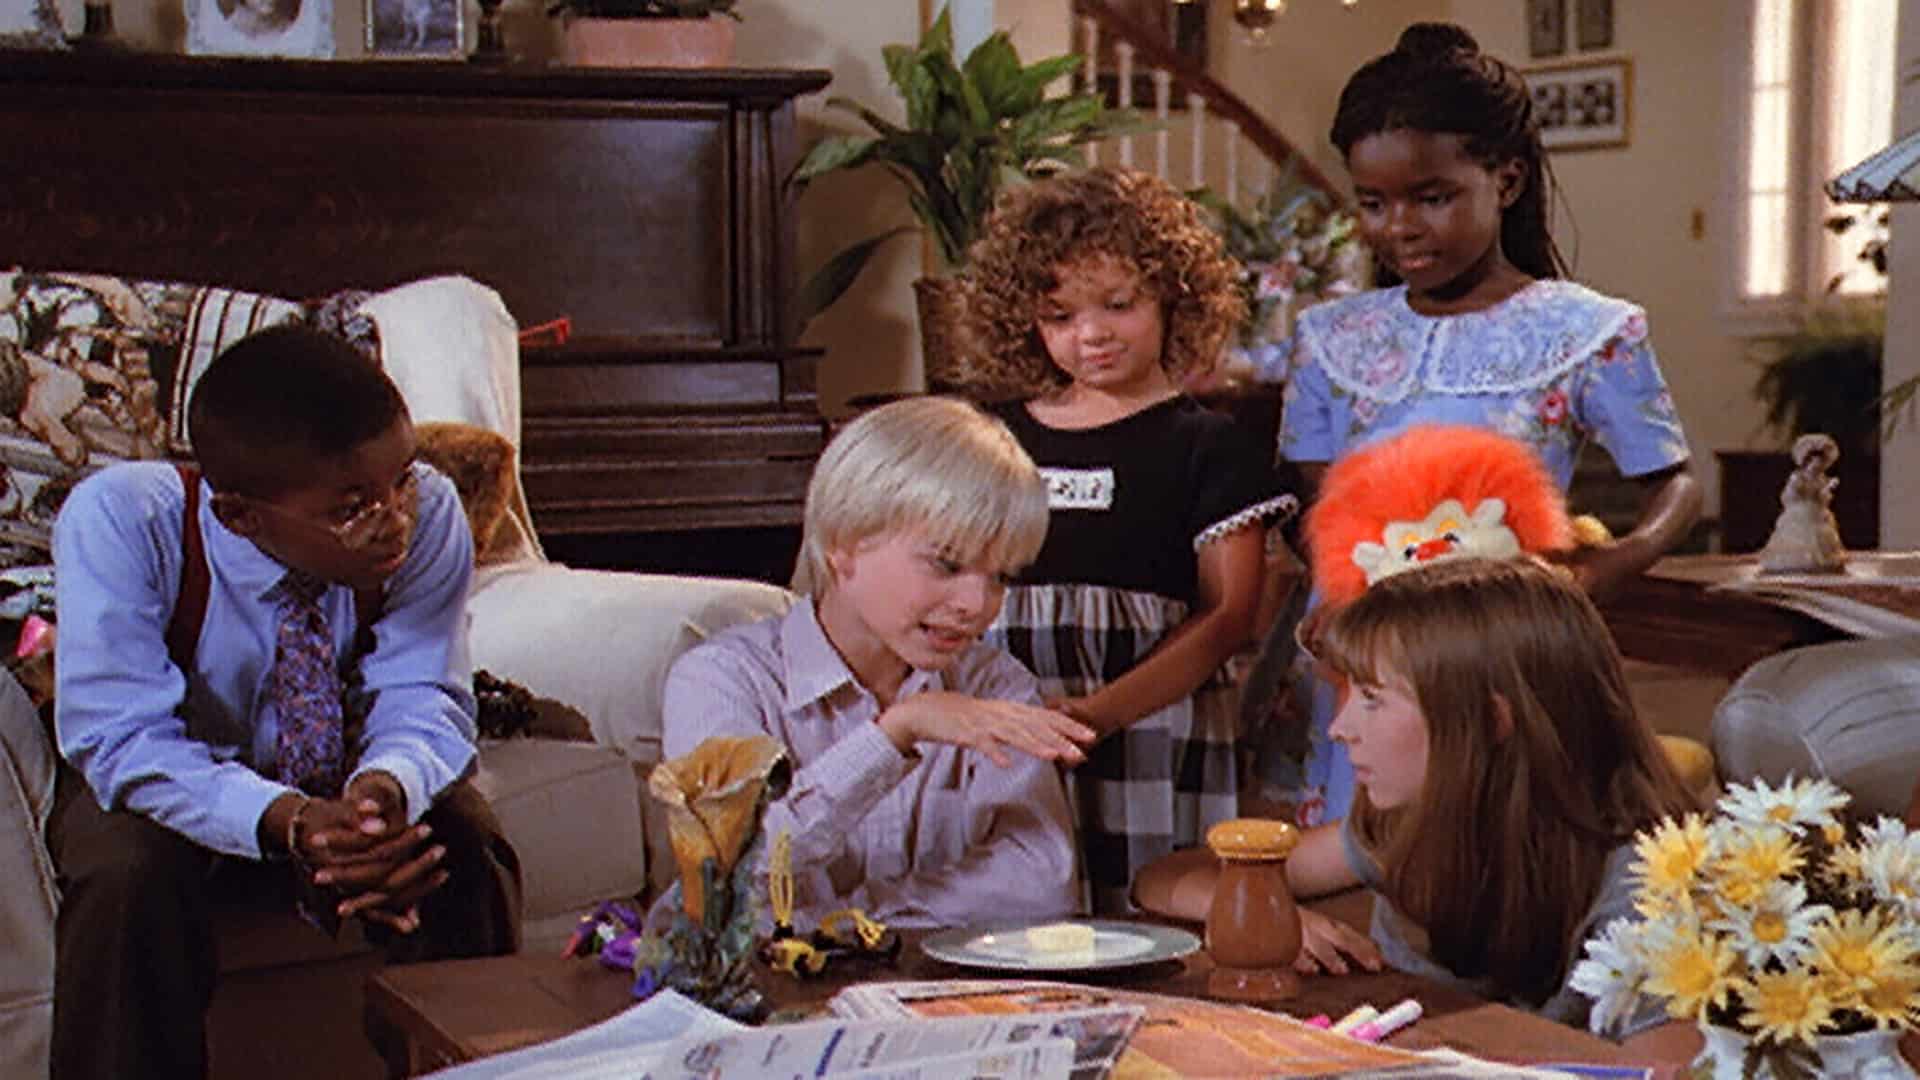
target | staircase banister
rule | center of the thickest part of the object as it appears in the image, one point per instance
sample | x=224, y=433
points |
x=1154, y=49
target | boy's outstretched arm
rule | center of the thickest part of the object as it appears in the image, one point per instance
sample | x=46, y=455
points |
x=837, y=783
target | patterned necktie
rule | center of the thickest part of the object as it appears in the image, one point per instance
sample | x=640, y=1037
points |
x=304, y=689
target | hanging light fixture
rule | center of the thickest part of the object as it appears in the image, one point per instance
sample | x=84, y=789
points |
x=1257, y=16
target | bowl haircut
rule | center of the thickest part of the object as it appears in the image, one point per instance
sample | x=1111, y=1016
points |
x=935, y=465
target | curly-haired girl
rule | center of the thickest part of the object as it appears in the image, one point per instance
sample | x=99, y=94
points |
x=1093, y=295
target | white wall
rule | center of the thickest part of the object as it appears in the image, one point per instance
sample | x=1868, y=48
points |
x=1900, y=458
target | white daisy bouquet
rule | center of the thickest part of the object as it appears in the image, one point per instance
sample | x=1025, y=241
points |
x=1776, y=919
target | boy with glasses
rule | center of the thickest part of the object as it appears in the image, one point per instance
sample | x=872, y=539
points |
x=263, y=661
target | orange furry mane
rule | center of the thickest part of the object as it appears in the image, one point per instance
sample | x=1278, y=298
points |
x=1404, y=477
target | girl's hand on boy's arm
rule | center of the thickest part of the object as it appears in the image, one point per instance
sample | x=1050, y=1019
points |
x=1327, y=944
x=1221, y=624
x=991, y=726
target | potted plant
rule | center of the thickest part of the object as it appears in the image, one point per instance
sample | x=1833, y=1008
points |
x=972, y=129
x=646, y=33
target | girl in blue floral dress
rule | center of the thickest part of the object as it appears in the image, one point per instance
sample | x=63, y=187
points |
x=1474, y=324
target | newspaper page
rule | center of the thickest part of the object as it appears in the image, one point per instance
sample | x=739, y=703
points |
x=623, y=1046
x=671, y=1037
x=1080, y=1044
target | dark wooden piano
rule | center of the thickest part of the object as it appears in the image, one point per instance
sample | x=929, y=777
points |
x=674, y=429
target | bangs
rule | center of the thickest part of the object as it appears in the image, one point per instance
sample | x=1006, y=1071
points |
x=1359, y=646
x=980, y=517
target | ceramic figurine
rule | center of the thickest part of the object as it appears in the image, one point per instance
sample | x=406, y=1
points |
x=1805, y=538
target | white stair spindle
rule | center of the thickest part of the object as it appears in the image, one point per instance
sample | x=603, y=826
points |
x=1123, y=52
x=1090, y=33
x=1233, y=161
x=1162, y=102
x=1197, y=108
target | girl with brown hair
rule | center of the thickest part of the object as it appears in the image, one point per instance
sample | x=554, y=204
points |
x=1503, y=772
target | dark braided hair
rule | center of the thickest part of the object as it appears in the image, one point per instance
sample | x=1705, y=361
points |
x=1436, y=80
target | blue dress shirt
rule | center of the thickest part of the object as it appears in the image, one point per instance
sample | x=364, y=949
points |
x=188, y=750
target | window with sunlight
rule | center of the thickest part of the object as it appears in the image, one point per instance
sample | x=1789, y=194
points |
x=1819, y=97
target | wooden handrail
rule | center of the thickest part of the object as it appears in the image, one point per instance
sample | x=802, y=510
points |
x=1153, y=47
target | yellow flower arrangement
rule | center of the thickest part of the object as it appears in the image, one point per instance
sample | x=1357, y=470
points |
x=1773, y=919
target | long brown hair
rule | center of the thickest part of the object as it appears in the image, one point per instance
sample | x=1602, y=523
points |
x=1538, y=766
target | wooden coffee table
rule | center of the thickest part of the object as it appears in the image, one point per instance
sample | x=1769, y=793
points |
x=438, y=1014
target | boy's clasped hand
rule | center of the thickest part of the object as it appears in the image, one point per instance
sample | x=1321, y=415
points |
x=360, y=850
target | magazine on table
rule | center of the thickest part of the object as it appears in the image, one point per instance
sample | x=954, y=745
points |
x=1180, y=1036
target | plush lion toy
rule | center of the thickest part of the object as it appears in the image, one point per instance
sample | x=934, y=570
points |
x=1431, y=492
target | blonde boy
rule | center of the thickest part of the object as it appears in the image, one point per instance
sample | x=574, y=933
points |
x=925, y=788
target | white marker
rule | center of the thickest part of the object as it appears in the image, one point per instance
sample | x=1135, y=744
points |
x=1388, y=1022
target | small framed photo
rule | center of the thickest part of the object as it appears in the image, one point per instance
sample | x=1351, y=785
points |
x=1593, y=24
x=293, y=28
x=1546, y=28
x=1581, y=106
x=415, y=28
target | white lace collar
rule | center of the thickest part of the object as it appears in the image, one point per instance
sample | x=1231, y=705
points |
x=1376, y=347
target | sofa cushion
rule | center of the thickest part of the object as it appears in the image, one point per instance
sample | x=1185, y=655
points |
x=572, y=813
x=602, y=641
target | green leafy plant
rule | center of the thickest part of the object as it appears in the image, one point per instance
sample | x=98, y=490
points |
x=645, y=9
x=1826, y=378
x=972, y=129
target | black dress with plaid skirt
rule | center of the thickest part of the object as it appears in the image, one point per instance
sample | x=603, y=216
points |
x=1132, y=503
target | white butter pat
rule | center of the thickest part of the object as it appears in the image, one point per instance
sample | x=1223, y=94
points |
x=1061, y=943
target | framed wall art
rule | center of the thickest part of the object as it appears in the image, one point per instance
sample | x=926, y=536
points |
x=1593, y=24
x=1546, y=28
x=1583, y=105
x=293, y=28
x=415, y=28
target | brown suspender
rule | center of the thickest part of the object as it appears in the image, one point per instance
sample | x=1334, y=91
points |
x=196, y=582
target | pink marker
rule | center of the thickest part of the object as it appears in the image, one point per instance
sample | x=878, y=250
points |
x=1320, y=1021
x=1388, y=1022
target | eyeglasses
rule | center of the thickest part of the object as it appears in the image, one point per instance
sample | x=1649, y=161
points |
x=358, y=525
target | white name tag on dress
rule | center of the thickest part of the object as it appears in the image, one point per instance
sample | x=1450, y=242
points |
x=1079, y=489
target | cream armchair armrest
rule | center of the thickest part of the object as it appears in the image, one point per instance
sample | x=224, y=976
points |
x=601, y=641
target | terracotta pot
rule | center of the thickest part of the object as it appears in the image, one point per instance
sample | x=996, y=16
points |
x=640, y=43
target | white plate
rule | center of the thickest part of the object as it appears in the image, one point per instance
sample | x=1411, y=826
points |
x=1115, y=944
